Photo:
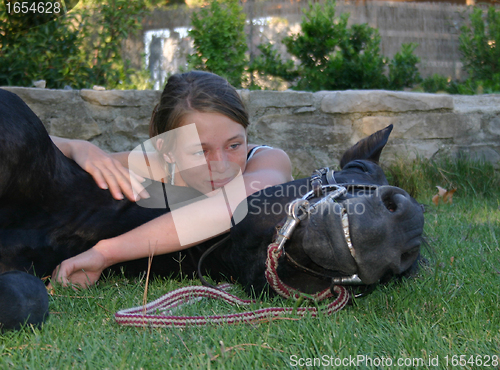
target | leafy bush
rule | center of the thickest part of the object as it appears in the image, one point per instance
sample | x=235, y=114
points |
x=480, y=55
x=335, y=57
x=219, y=40
x=80, y=49
x=480, y=44
x=403, y=71
x=435, y=83
x=46, y=50
x=104, y=26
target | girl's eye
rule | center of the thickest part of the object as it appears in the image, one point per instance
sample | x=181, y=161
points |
x=235, y=146
x=199, y=153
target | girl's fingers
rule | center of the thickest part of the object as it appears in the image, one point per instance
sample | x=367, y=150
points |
x=59, y=276
x=118, y=183
x=112, y=182
x=135, y=190
x=117, y=186
x=119, y=180
x=98, y=178
x=67, y=274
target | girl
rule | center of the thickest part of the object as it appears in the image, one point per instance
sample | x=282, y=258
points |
x=217, y=157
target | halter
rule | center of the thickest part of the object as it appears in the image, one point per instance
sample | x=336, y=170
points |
x=297, y=211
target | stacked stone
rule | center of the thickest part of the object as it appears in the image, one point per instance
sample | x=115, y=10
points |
x=313, y=128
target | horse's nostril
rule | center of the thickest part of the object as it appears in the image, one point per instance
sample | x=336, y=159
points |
x=394, y=201
x=389, y=202
x=390, y=205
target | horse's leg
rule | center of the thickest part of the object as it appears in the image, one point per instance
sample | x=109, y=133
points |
x=23, y=300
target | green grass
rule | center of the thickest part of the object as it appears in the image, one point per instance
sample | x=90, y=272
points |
x=450, y=309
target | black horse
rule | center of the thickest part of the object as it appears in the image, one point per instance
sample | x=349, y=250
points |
x=50, y=210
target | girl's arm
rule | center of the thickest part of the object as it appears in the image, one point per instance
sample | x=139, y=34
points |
x=108, y=170
x=205, y=219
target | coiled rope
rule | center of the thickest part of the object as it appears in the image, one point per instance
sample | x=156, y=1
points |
x=159, y=313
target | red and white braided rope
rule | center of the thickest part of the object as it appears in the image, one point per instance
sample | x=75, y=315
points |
x=159, y=312
x=274, y=252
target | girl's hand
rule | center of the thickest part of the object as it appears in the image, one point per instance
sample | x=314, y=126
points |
x=108, y=172
x=82, y=270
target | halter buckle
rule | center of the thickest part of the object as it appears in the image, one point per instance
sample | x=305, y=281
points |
x=286, y=231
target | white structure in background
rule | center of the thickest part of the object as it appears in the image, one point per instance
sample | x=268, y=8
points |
x=166, y=52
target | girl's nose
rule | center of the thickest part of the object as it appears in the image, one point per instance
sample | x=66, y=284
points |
x=217, y=162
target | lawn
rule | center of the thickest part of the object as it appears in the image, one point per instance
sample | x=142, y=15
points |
x=446, y=317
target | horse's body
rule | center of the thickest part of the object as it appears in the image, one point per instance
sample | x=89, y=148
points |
x=50, y=210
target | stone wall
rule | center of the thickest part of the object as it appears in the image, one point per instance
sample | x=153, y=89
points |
x=313, y=128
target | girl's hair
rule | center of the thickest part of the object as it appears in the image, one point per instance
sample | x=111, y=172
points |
x=196, y=92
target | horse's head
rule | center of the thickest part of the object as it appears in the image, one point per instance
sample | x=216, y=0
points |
x=371, y=229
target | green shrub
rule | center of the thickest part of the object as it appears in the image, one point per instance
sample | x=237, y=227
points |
x=219, y=40
x=469, y=86
x=272, y=63
x=480, y=45
x=47, y=51
x=479, y=54
x=104, y=26
x=334, y=57
x=403, y=71
x=80, y=49
x=435, y=83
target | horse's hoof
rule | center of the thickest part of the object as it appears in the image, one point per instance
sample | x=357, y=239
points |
x=23, y=300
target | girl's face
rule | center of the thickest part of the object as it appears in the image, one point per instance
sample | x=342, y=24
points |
x=210, y=153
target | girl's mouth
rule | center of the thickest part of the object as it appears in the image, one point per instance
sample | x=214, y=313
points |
x=219, y=183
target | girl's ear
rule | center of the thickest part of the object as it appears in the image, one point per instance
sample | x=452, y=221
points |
x=169, y=158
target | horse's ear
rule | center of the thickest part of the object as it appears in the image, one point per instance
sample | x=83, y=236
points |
x=368, y=148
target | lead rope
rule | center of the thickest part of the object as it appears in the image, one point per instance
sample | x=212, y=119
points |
x=159, y=313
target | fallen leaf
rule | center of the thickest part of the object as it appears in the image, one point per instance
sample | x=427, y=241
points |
x=446, y=195
x=441, y=191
